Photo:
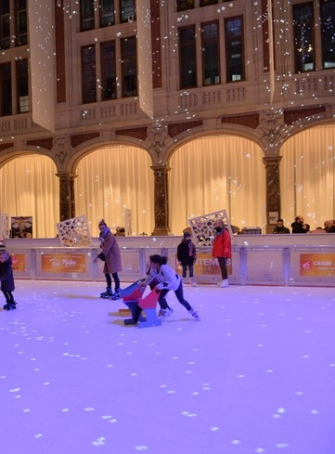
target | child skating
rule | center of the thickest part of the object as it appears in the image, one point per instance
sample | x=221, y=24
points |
x=167, y=280
x=186, y=256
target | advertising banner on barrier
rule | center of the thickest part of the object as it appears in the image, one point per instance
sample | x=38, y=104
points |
x=63, y=263
x=317, y=265
x=205, y=265
x=19, y=262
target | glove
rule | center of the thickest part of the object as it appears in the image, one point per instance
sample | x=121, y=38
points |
x=159, y=287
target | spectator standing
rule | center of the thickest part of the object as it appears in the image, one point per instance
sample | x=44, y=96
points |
x=221, y=249
x=186, y=256
x=280, y=228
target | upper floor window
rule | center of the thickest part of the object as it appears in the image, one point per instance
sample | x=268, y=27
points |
x=303, y=37
x=234, y=49
x=86, y=15
x=5, y=89
x=187, y=57
x=21, y=22
x=129, y=66
x=328, y=33
x=107, y=13
x=4, y=24
x=210, y=53
x=127, y=10
x=88, y=70
x=22, y=82
x=208, y=2
x=183, y=5
x=13, y=23
x=108, y=70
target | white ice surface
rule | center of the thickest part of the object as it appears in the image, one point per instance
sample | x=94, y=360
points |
x=255, y=375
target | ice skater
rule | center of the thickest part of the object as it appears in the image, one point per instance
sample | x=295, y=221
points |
x=167, y=280
x=7, y=280
x=110, y=254
x=186, y=256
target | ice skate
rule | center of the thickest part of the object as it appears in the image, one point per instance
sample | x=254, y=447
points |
x=224, y=283
x=107, y=294
x=9, y=306
x=194, y=313
x=115, y=296
x=193, y=283
x=164, y=313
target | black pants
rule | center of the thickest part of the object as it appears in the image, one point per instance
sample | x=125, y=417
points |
x=223, y=267
x=116, y=280
x=9, y=296
x=190, y=268
x=179, y=294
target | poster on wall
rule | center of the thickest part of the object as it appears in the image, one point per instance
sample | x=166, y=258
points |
x=22, y=226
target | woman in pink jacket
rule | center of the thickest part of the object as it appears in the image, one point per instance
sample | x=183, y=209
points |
x=222, y=250
x=110, y=254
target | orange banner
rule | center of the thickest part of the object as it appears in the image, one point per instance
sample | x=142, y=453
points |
x=205, y=265
x=317, y=265
x=19, y=262
x=63, y=263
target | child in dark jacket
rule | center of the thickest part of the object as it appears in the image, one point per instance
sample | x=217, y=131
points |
x=7, y=280
x=186, y=256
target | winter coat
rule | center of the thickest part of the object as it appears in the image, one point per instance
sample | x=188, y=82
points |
x=6, y=275
x=110, y=250
x=186, y=253
x=165, y=276
x=222, y=245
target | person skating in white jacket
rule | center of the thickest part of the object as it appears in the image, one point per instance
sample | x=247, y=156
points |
x=167, y=280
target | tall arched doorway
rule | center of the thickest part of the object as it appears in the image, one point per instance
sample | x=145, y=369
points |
x=110, y=181
x=307, y=176
x=30, y=187
x=217, y=172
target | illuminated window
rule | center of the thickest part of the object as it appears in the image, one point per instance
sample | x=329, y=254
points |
x=303, y=37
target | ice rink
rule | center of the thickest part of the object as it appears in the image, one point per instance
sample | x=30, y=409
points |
x=255, y=375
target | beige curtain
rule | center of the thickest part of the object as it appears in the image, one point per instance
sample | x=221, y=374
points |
x=30, y=187
x=112, y=180
x=307, y=174
x=218, y=172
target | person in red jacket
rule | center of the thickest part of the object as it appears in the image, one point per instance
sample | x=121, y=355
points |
x=222, y=250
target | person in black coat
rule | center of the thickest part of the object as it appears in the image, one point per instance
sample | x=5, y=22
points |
x=299, y=226
x=7, y=280
x=186, y=256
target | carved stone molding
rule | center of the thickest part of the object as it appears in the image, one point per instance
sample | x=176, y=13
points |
x=271, y=126
x=62, y=148
x=158, y=137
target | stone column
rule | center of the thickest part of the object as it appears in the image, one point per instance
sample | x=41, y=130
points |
x=161, y=200
x=67, y=203
x=272, y=189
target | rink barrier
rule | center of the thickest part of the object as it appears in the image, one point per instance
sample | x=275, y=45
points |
x=253, y=263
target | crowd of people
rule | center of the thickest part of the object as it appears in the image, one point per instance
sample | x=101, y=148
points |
x=300, y=226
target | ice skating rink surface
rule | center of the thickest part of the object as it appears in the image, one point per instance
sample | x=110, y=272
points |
x=255, y=375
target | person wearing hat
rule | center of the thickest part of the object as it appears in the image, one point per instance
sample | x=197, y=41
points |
x=111, y=256
x=186, y=256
